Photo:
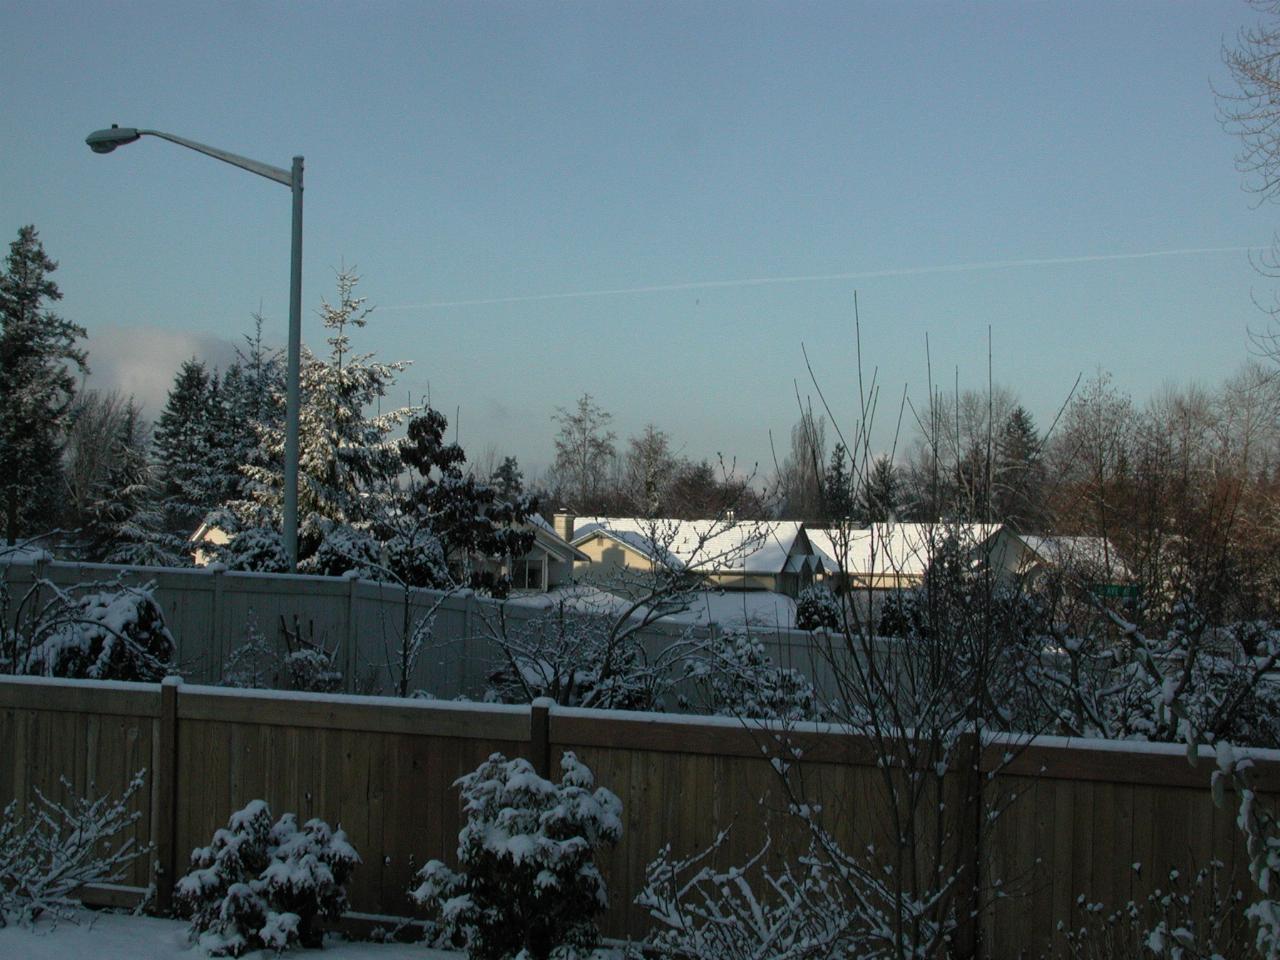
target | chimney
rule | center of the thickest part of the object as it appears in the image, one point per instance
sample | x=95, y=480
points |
x=562, y=523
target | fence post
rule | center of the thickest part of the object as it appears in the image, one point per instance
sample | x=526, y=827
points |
x=218, y=645
x=540, y=735
x=353, y=661
x=969, y=853
x=164, y=795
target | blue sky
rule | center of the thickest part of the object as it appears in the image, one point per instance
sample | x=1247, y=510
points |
x=477, y=160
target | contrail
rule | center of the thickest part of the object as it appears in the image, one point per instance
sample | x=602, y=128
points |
x=821, y=277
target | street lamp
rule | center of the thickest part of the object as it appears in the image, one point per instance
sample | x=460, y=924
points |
x=104, y=141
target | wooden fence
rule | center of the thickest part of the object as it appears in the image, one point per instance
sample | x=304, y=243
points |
x=1085, y=813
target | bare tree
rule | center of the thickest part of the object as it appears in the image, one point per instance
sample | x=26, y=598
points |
x=584, y=452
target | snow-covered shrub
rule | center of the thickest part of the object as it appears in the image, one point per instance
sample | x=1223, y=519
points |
x=312, y=670
x=816, y=608
x=56, y=848
x=255, y=664
x=1189, y=918
x=344, y=549
x=263, y=886
x=527, y=885
x=736, y=678
x=117, y=634
x=258, y=549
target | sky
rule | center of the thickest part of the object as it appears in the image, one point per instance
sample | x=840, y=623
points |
x=665, y=205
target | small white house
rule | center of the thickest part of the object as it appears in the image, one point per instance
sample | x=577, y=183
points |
x=731, y=555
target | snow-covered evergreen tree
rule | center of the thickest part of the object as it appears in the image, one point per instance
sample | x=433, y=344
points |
x=124, y=522
x=527, y=885
x=185, y=436
x=252, y=393
x=259, y=885
x=38, y=362
x=348, y=457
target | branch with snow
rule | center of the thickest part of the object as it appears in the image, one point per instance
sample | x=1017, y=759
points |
x=52, y=849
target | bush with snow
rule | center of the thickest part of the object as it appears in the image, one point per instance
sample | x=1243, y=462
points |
x=816, y=608
x=527, y=886
x=737, y=678
x=117, y=634
x=264, y=886
x=256, y=549
x=57, y=848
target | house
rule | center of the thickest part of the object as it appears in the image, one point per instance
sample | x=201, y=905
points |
x=732, y=555
x=1092, y=560
x=890, y=556
x=549, y=563
x=208, y=535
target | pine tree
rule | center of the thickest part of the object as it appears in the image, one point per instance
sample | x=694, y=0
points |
x=465, y=516
x=252, y=411
x=881, y=497
x=38, y=361
x=125, y=521
x=184, y=444
x=838, y=487
x=347, y=458
x=509, y=479
x=1019, y=479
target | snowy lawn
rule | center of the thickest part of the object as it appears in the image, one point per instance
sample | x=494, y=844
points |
x=116, y=936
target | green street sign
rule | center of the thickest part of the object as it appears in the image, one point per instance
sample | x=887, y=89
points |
x=1115, y=591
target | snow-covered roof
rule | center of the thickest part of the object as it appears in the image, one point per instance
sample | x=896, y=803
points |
x=707, y=546
x=1090, y=553
x=888, y=549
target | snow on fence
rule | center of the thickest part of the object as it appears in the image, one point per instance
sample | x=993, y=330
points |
x=210, y=611
x=383, y=768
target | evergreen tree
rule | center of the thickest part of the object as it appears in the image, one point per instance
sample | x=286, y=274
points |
x=348, y=459
x=466, y=517
x=252, y=408
x=509, y=479
x=1019, y=480
x=124, y=520
x=38, y=361
x=838, y=486
x=186, y=435
x=881, y=497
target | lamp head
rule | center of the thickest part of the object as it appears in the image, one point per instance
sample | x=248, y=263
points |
x=104, y=141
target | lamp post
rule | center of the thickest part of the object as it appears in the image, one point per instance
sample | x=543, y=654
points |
x=104, y=141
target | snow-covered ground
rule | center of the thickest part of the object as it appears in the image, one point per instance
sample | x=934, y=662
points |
x=114, y=936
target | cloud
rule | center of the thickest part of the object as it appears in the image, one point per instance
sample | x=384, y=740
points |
x=141, y=361
x=822, y=277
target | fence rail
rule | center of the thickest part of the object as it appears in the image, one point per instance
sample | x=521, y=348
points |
x=1085, y=814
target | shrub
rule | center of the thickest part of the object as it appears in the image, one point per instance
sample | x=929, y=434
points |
x=263, y=886
x=115, y=634
x=528, y=886
x=816, y=607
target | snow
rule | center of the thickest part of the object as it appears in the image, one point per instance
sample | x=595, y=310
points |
x=114, y=936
